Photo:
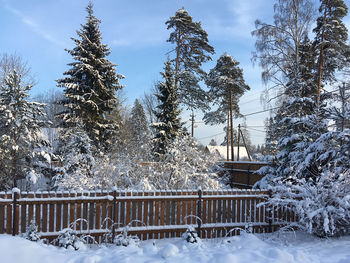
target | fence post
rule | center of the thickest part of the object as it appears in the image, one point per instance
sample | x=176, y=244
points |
x=248, y=179
x=199, y=212
x=14, y=210
x=270, y=213
x=113, y=213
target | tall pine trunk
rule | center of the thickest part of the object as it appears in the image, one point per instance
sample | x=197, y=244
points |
x=228, y=136
x=320, y=60
x=231, y=128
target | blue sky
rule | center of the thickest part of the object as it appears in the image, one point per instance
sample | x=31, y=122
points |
x=135, y=30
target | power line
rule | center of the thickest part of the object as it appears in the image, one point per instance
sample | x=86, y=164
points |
x=257, y=112
x=211, y=136
x=256, y=130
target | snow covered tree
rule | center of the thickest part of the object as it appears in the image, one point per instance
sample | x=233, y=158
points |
x=213, y=142
x=149, y=102
x=139, y=132
x=11, y=62
x=271, y=141
x=277, y=44
x=191, y=51
x=331, y=150
x=340, y=114
x=297, y=123
x=330, y=41
x=226, y=85
x=169, y=124
x=22, y=144
x=76, y=160
x=90, y=85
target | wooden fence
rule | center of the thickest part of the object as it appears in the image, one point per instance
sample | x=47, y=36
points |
x=242, y=174
x=149, y=215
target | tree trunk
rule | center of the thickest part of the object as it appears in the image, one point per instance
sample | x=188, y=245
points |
x=320, y=60
x=177, y=61
x=239, y=139
x=231, y=127
x=228, y=136
x=192, y=120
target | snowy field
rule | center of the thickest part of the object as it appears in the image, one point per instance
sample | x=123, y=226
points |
x=246, y=248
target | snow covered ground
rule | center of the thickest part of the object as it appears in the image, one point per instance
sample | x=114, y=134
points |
x=246, y=248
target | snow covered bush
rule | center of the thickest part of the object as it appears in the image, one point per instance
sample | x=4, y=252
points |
x=68, y=238
x=123, y=239
x=191, y=235
x=322, y=206
x=183, y=165
x=32, y=232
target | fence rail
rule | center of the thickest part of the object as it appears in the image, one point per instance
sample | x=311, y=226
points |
x=149, y=215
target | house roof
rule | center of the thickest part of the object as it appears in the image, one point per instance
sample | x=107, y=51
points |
x=221, y=151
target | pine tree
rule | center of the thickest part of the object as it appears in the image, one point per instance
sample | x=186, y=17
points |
x=330, y=40
x=91, y=84
x=192, y=49
x=168, y=113
x=22, y=144
x=226, y=85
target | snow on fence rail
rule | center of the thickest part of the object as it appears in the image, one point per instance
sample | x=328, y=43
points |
x=152, y=214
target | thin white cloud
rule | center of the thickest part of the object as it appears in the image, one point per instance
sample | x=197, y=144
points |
x=149, y=32
x=35, y=27
x=240, y=21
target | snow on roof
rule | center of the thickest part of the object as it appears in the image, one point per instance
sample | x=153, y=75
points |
x=221, y=151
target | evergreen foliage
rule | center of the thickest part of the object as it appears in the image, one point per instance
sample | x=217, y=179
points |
x=32, y=232
x=169, y=124
x=90, y=85
x=192, y=50
x=22, y=144
x=139, y=132
x=75, y=154
x=300, y=120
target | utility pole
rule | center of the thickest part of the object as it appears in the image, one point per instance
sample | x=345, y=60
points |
x=245, y=145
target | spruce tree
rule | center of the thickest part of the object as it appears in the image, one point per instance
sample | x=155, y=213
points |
x=226, y=85
x=169, y=125
x=299, y=121
x=22, y=144
x=90, y=85
x=191, y=51
x=139, y=132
